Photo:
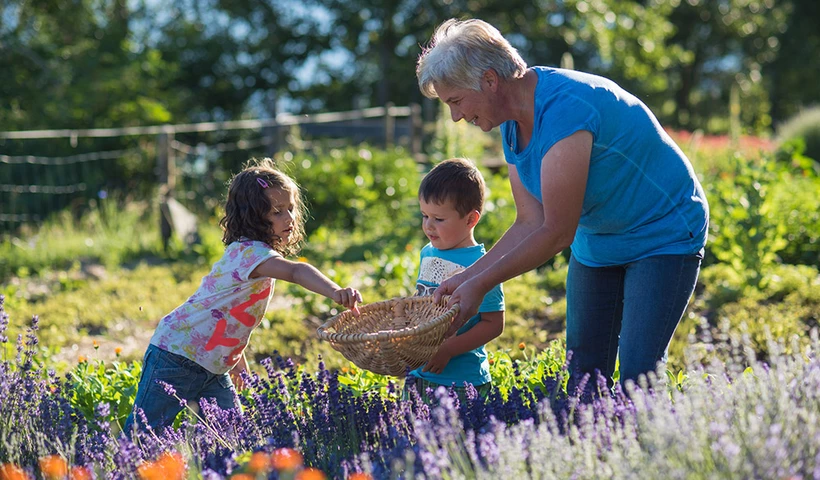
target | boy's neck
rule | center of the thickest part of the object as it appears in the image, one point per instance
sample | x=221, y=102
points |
x=466, y=243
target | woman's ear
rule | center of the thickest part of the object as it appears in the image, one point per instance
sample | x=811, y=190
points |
x=490, y=79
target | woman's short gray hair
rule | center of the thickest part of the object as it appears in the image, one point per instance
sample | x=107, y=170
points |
x=461, y=51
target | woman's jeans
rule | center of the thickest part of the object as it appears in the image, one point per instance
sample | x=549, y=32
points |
x=188, y=379
x=626, y=311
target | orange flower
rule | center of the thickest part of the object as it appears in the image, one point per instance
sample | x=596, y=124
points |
x=10, y=471
x=242, y=476
x=359, y=476
x=311, y=474
x=492, y=361
x=286, y=459
x=53, y=467
x=259, y=462
x=79, y=473
x=522, y=346
x=118, y=351
x=169, y=466
x=82, y=359
x=96, y=344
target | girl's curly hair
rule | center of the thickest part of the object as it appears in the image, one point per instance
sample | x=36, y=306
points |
x=247, y=207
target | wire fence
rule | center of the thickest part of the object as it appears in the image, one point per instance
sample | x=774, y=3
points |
x=185, y=161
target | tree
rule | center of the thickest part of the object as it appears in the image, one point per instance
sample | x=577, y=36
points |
x=729, y=42
x=793, y=73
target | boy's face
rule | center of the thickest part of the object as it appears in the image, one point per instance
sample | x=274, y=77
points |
x=445, y=227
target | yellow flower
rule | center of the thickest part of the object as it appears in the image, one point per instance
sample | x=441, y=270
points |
x=53, y=467
x=359, y=476
x=10, y=471
x=79, y=473
x=259, y=462
x=311, y=474
x=286, y=459
x=169, y=466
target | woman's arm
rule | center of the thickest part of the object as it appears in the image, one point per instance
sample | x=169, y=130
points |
x=564, y=172
x=308, y=276
x=529, y=215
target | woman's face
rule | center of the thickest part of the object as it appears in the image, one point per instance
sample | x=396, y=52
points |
x=473, y=106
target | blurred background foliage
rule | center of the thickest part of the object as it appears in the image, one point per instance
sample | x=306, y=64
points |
x=99, y=63
x=96, y=269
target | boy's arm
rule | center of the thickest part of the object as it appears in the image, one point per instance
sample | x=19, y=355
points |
x=489, y=327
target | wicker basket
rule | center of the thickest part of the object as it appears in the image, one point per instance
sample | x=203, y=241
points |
x=391, y=336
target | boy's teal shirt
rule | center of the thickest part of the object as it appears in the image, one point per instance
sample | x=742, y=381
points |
x=434, y=267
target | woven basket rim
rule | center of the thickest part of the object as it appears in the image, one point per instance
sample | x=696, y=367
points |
x=353, y=338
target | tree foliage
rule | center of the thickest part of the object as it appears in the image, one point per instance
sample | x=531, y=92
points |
x=99, y=63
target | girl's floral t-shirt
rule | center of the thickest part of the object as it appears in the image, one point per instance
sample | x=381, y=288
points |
x=214, y=325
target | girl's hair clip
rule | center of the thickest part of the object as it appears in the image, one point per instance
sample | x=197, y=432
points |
x=262, y=183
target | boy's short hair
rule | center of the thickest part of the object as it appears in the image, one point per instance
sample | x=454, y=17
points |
x=457, y=180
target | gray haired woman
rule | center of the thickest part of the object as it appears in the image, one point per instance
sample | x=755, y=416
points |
x=591, y=169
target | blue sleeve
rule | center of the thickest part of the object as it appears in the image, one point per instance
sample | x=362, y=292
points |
x=564, y=115
x=493, y=301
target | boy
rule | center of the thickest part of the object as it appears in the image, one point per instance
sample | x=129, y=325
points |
x=451, y=198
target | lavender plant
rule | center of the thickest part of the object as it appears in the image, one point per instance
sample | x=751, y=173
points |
x=742, y=418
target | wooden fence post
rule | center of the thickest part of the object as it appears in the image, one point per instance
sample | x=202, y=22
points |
x=389, y=125
x=416, y=129
x=167, y=180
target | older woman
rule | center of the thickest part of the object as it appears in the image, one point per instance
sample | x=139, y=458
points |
x=590, y=168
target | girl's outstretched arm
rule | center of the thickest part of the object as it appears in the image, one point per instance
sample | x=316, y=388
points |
x=310, y=277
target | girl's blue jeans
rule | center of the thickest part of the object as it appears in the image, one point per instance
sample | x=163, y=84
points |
x=190, y=381
x=627, y=311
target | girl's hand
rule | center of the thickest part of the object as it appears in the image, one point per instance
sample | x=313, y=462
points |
x=236, y=373
x=348, y=297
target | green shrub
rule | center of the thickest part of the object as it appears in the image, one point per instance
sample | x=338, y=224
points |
x=746, y=231
x=805, y=125
x=358, y=188
x=796, y=203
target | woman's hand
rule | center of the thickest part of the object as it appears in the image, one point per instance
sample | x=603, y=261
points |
x=468, y=296
x=448, y=286
x=348, y=298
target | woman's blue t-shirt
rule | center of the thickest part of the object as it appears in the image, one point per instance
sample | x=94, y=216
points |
x=642, y=196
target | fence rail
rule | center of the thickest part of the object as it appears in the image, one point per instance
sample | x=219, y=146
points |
x=34, y=186
x=282, y=119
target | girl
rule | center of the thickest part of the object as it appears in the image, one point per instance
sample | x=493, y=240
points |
x=198, y=348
